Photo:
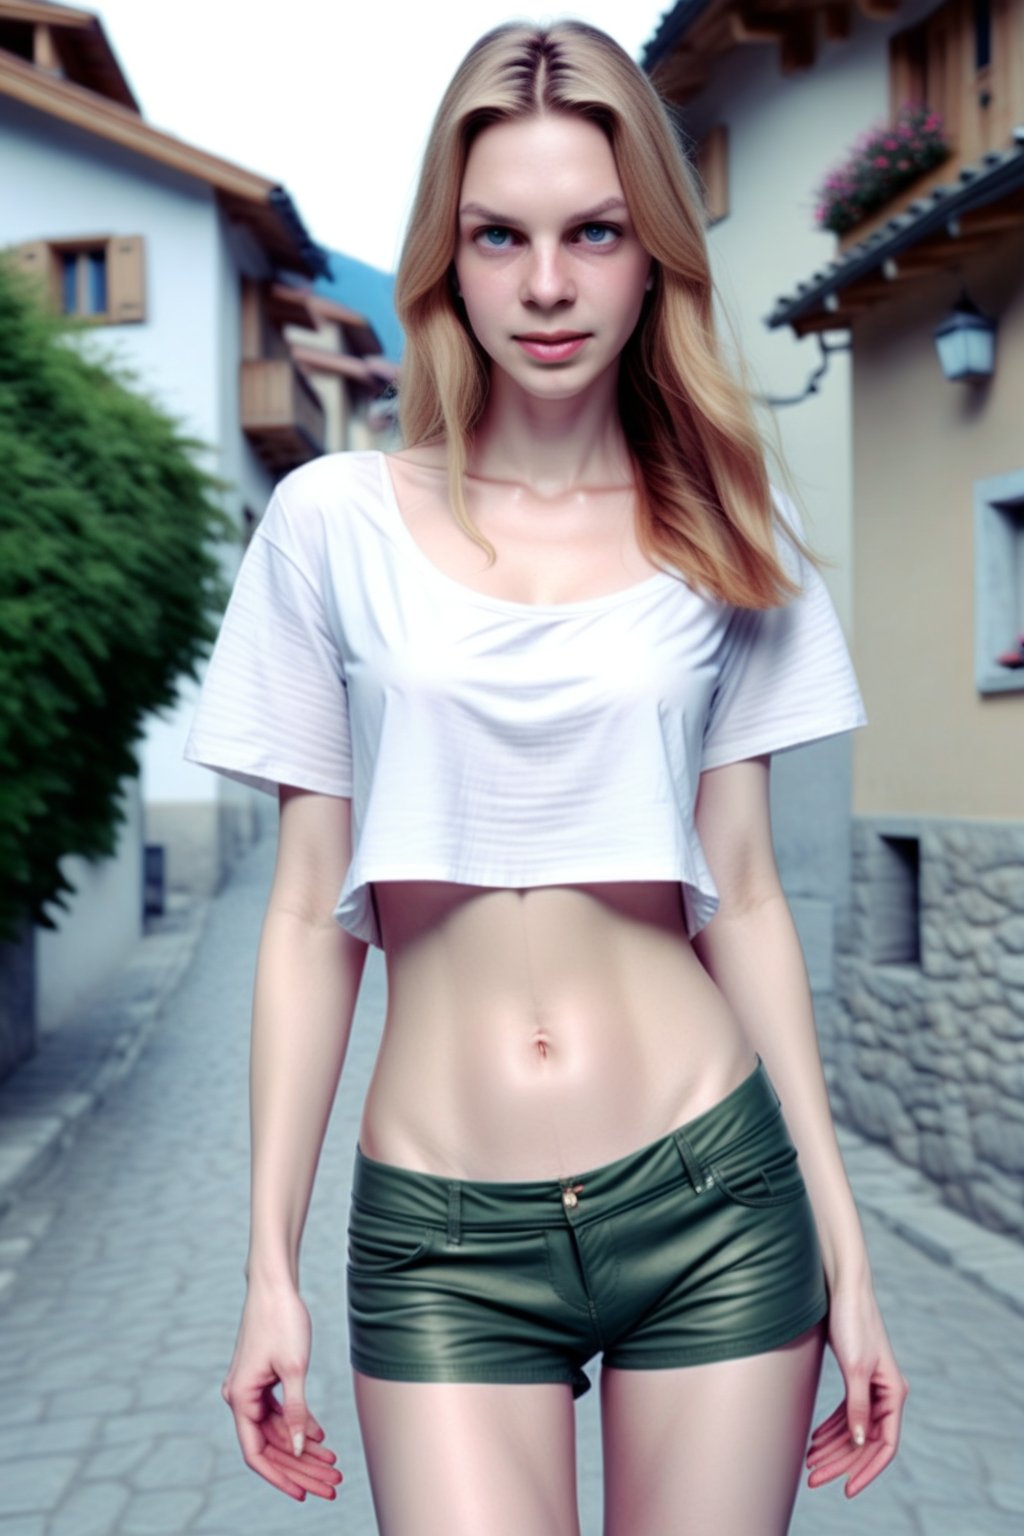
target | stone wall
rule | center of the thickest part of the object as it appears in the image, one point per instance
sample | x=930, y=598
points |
x=924, y=1046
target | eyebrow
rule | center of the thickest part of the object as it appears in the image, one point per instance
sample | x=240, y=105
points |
x=574, y=218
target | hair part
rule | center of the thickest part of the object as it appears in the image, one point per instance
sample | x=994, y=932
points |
x=704, y=503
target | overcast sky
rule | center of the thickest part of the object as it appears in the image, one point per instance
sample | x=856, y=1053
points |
x=332, y=98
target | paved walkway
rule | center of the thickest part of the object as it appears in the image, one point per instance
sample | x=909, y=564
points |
x=123, y=1224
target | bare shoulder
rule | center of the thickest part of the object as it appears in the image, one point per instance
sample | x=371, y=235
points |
x=428, y=455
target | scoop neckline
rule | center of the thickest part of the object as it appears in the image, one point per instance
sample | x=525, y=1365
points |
x=612, y=599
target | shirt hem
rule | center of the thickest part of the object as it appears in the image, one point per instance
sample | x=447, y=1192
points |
x=263, y=775
x=782, y=743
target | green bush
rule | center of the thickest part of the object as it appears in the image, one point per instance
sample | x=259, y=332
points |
x=110, y=590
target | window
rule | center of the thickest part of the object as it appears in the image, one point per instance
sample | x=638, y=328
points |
x=83, y=284
x=894, y=933
x=999, y=584
x=961, y=62
x=924, y=65
x=99, y=279
x=982, y=34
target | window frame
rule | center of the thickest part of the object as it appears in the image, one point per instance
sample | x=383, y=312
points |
x=124, y=268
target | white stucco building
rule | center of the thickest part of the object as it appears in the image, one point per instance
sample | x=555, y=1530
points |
x=193, y=269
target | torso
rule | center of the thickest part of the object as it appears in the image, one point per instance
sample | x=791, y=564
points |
x=540, y=1032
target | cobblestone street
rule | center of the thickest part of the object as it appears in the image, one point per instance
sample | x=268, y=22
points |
x=126, y=1255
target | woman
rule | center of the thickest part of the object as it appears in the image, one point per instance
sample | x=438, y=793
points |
x=517, y=687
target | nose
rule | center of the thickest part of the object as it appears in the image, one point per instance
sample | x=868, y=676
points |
x=547, y=280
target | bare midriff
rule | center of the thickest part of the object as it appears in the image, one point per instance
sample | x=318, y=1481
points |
x=537, y=1033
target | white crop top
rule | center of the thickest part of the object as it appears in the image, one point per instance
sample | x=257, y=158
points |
x=491, y=742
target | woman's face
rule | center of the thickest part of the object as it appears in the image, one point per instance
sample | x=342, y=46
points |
x=546, y=249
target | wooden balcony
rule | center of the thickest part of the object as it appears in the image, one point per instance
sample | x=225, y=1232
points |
x=281, y=413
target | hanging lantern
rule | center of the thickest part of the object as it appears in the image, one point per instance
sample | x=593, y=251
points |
x=966, y=343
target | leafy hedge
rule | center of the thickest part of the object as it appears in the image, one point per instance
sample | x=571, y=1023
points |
x=110, y=589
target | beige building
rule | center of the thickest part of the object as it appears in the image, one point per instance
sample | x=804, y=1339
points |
x=924, y=1043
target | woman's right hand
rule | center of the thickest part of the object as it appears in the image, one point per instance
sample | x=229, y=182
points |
x=273, y=1346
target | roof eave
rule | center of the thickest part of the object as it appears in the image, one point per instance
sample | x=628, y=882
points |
x=996, y=175
x=671, y=30
x=272, y=212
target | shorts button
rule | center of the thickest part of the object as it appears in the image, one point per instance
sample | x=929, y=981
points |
x=570, y=1198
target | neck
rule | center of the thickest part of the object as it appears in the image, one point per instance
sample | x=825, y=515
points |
x=551, y=446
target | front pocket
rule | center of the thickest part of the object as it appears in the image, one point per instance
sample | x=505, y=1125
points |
x=380, y=1247
x=758, y=1177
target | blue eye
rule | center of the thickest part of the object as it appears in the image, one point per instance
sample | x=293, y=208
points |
x=495, y=229
x=600, y=230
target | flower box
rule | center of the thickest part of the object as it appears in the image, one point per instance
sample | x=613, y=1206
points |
x=884, y=161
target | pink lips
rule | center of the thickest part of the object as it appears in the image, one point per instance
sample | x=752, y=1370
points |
x=553, y=348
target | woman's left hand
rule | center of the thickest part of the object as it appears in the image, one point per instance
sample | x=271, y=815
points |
x=876, y=1391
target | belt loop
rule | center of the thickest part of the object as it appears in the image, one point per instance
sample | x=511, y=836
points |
x=454, y=1212
x=689, y=1158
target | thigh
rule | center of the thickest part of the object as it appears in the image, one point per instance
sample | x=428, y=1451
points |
x=461, y=1459
x=714, y=1449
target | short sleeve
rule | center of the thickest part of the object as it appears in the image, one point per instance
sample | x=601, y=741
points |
x=273, y=706
x=786, y=676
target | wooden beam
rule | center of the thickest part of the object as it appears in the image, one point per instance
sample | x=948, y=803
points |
x=831, y=320
x=986, y=222
x=330, y=309
x=49, y=15
x=836, y=22
x=44, y=49
x=681, y=75
x=291, y=306
x=337, y=363
x=799, y=47
x=109, y=120
x=747, y=24
x=878, y=10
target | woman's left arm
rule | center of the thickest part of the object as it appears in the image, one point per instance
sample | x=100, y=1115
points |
x=752, y=952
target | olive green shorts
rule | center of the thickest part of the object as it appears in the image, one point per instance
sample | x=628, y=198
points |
x=701, y=1246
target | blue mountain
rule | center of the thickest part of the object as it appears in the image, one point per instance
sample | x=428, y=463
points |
x=369, y=291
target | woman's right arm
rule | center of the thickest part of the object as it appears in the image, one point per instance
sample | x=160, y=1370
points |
x=308, y=973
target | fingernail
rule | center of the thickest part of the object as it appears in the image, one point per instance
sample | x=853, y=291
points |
x=298, y=1441
x=858, y=1434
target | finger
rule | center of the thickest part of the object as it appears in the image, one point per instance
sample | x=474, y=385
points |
x=254, y=1452
x=294, y=1411
x=858, y=1402
x=876, y=1463
x=828, y=1436
x=318, y=1466
x=314, y=1430
x=833, y=1466
x=831, y=1453
x=277, y=1434
x=315, y=1476
x=884, y=1439
x=836, y=1418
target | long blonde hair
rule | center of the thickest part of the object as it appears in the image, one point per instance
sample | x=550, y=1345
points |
x=704, y=504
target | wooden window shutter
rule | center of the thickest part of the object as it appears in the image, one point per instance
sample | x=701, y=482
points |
x=126, y=291
x=35, y=259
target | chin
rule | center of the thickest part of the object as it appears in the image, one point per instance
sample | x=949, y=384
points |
x=551, y=382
